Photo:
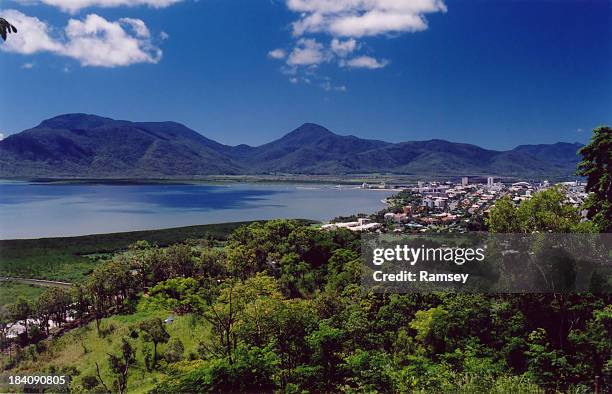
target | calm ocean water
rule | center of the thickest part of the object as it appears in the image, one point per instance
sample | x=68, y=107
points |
x=34, y=210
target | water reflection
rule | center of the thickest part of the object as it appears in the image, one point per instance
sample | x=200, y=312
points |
x=29, y=210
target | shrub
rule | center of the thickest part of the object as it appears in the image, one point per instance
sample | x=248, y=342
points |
x=174, y=350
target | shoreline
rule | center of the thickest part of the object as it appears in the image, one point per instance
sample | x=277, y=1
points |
x=343, y=179
x=148, y=232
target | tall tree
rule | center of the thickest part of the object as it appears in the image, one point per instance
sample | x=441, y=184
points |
x=156, y=333
x=21, y=310
x=6, y=28
x=120, y=365
x=595, y=166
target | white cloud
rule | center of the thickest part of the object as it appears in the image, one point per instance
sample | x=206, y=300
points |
x=1, y=136
x=74, y=6
x=164, y=36
x=349, y=23
x=27, y=66
x=328, y=87
x=34, y=35
x=138, y=26
x=343, y=48
x=307, y=52
x=364, y=62
x=93, y=41
x=98, y=42
x=277, y=54
x=357, y=18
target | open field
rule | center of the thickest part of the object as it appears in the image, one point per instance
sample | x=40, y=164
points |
x=70, y=259
x=10, y=291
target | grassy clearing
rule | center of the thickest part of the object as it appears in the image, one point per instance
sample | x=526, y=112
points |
x=82, y=348
x=70, y=259
x=10, y=291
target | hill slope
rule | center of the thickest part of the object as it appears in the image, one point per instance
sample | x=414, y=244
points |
x=79, y=145
x=90, y=146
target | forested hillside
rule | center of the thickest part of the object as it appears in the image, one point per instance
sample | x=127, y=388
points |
x=90, y=146
x=279, y=307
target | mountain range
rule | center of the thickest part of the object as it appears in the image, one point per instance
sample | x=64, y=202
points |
x=90, y=146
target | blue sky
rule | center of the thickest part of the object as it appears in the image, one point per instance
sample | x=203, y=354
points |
x=492, y=73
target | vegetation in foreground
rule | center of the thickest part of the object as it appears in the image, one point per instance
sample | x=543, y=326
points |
x=280, y=308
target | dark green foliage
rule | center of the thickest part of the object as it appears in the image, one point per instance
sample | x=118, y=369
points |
x=596, y=167
x=183, y=295
x=69, y=259
x=54, y=305
x=21, y=311
x=252, y=370
x=155, y=332
x=120, y=365
x=174, y=351
x=89, y=382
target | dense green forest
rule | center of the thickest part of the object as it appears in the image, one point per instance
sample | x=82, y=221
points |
x=278, y=306
x=71, y=259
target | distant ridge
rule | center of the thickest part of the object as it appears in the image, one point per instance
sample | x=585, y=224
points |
x=91, y=146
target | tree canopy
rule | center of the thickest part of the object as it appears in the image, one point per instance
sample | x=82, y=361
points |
x=596, y=167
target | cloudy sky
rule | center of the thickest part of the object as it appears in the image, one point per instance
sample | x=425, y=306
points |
x=492, y=73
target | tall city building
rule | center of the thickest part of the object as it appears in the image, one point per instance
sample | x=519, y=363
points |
x=490, y=181
x=464, y=181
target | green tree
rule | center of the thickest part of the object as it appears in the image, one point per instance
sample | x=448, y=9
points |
x=326, y=345
x=183, y=295
x=57, y=302
x=545, y=211
x=120, y=365
x=503, y=217
x=592, y=347
x=82, y=302
x=156, y=333
x=140, y=260
x=43, y=308
x=548, y=211
x=252, y=371
x=596, y=167
x=21, y=311
x=212, y=263
x=297, y=278
x=174, y=350
x=180, y=259
x=100, y=294
x=241, y=261
x=547, y=365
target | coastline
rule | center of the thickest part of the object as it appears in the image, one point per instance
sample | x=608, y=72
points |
x=343, y=179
